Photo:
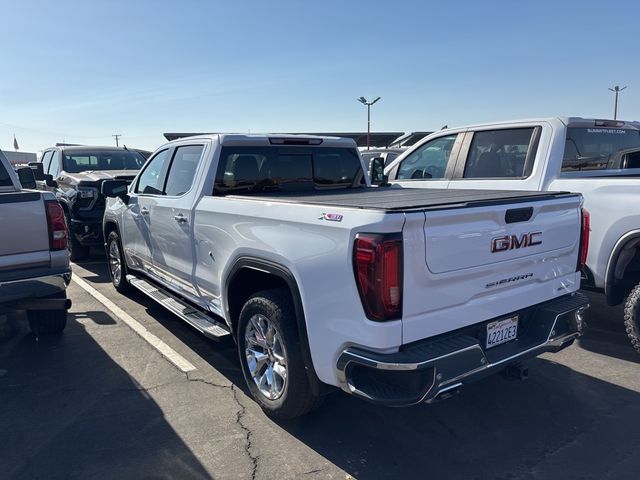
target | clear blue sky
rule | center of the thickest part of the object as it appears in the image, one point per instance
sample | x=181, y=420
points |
x=82, y=70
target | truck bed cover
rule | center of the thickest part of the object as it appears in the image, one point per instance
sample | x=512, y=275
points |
x=395, y=199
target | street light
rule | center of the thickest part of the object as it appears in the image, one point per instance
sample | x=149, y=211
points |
x=364, y=101
x=616, y=90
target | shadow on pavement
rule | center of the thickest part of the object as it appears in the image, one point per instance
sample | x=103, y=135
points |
x=605, y=333
x=69, y=411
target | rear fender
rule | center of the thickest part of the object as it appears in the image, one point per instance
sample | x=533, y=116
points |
x=285, y=274
x=622, y=254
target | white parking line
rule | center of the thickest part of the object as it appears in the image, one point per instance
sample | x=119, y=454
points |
x=165, y=350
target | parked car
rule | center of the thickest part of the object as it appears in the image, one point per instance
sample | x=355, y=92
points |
x=598, y=158
x=394, y=295
x=34, y=262
x=76, y=174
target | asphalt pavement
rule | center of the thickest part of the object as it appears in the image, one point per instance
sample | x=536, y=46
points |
x=100, y=401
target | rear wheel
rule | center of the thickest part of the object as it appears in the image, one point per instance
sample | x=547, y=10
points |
x=48, y=322
x=117, y=264
x=271, y=358
x=632, y=317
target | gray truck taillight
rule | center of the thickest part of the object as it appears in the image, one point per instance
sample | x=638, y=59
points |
x=377, y=263
x=585, y=230
x=57, y=225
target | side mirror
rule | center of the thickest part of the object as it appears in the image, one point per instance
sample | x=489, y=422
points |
x=26, y=177
x=376, y=172
x=38, y=170
x=49, y=181
x=116, y=189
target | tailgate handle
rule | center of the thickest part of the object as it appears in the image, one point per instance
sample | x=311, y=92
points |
x=516, y=215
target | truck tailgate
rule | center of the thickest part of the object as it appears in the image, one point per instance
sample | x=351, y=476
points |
x=489, y=261
x=22, y=212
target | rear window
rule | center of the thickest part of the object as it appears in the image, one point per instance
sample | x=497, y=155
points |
x=501, y=153
x=82, y=161
x=265, y=169
x=600, y=149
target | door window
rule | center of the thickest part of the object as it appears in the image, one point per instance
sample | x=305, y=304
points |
x=500, y=153
x=429, y=161
x=54, y=168
x=151, y=180
x=183, y=169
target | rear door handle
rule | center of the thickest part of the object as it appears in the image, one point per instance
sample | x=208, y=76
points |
x=144, y=211
x=180, y=218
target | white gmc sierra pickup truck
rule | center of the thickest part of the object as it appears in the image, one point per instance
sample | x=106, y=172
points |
x=395, y=295
x=34, y=261
x=598, y=158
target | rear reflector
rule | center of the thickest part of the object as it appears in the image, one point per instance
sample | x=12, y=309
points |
x=378, y=261
x=584, y=239
x=57, y=225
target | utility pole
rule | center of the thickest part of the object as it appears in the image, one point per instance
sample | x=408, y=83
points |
x=116, y=136
x=364, y=101
x=616, y=90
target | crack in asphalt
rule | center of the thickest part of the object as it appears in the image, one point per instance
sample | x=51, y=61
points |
x=248, y=433
x=240, y=414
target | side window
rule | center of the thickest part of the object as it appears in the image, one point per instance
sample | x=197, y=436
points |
x=500, y=153
x=46, y=161
x=54, y=168
x=631, y=160
x=151, y=180
x=429, y=161
x=390, y=158
x=183, y=169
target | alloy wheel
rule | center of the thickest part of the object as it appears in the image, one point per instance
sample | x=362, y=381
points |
x=266, y=357
x=115, y=264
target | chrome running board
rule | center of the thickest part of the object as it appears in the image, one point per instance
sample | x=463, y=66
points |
x=202, y=322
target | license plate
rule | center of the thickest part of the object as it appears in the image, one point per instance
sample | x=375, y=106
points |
x=502, y=331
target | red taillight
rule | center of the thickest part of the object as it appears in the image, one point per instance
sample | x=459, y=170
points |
x=377, y=260
x=584, y=239
x=57, y=225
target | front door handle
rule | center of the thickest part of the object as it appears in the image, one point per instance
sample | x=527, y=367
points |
x=180, y=218
x=144, y=211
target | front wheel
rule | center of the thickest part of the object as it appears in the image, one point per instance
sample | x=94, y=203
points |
x=632, y=317
x=271, y=358
x=117, y=264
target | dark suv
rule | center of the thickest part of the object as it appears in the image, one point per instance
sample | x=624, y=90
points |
x=76, y=176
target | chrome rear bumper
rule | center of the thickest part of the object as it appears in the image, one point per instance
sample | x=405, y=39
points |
x=422, y=371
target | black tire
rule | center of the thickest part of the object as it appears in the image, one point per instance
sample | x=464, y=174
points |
x=48, y=322
x=297, y=397
x=632, y=317
x=77, y=251
x=114, y=247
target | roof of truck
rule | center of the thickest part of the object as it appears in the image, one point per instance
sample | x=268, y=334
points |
x=558, y=119
x=266, y=139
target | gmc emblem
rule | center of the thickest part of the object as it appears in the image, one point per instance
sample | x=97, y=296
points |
x=513, y=242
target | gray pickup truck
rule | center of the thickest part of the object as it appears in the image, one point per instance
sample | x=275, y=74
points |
x=34, y=260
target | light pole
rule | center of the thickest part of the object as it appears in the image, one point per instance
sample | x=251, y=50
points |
x=116, y=136
x=616, y=90
x=364, y=101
